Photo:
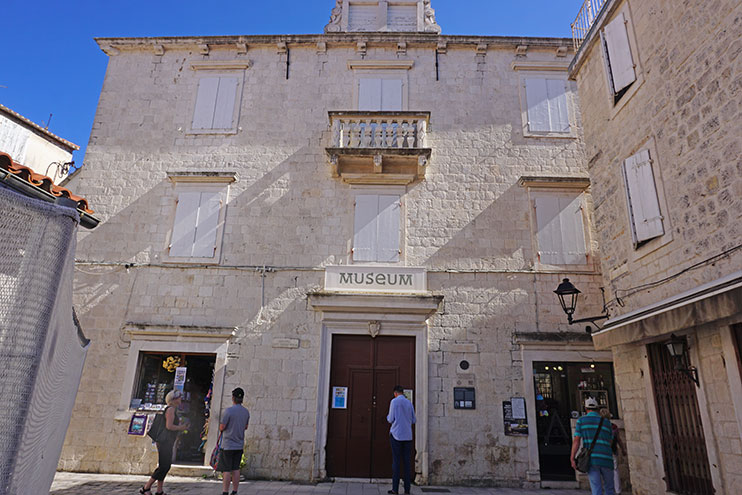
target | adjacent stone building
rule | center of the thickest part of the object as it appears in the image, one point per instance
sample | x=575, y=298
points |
x=316, y=218
x=659, y=85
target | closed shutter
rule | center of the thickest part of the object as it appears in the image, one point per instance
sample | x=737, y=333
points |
x=620, y=62
x=369, y=95
x=388, y=229
x=203, y=113
x=391, y=95
x=184, y=228
x=204, y=245
x=644, y=206
x=548, y=234
x=558, y=116
x=573, y=230
x=365, y=229
x=226, y=97
x=537, y=100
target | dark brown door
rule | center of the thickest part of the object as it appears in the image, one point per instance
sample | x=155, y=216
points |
x=358, y=437
x=687, y=469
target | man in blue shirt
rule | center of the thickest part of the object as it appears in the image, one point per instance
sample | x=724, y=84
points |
x=401, y=416
x=233, y=425
x=601, y=458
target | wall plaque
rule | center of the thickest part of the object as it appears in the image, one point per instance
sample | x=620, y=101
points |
x=375, y=279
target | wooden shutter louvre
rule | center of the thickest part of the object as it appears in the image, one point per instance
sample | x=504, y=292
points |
x=365, y=227
x=388, y=229
x=548, y=234
x=204, y=244
x=558, y=114
x=184, y=227
x=573, y=231
x=224, y=105
x=620, y=62
x=644, y=208
x=203, y=112
x=369, y=95
x=537, y=100
x=391, y=95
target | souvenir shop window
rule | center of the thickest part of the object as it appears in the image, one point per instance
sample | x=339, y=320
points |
x=156, y=377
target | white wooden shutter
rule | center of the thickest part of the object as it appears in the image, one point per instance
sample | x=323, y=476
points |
x=620, y=62
x=204, y=245
x=365, y=229
x=644, y=205
x=388, y=229
x=184, y=228
x=203, y=113
x=548, y=235
x=369, y=95
x=391, y=95
x=558, y=116
x=573, y=230
x=537, y=100
x=226, y=97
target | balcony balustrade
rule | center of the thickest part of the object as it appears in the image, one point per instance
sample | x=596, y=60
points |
x=379, y=147
x=584, y=21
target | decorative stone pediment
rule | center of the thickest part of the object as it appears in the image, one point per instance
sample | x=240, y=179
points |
x=415, y=16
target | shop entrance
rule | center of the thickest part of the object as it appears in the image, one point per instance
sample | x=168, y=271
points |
x=157, y=375
x=363, y=373
x=561, y=389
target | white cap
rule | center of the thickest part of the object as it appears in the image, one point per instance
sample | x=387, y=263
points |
x=591, y=403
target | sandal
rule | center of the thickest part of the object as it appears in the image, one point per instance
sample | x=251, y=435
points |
x=144, y=491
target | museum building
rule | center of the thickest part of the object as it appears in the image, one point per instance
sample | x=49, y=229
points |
x=318, y=218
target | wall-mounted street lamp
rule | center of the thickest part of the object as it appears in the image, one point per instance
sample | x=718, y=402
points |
x=567, y=294
x=678, y=349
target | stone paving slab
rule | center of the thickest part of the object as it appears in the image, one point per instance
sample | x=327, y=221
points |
x=89, y=484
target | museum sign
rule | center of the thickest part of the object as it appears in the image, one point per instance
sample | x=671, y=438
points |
x=389, y=279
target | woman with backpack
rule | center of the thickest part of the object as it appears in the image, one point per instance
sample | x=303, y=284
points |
x=165, y=442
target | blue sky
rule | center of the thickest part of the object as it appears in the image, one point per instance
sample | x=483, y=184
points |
x=49, y=62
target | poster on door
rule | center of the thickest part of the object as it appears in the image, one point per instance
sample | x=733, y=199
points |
x=340, y=397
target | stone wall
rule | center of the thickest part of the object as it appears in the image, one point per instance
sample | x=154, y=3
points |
x=468, y=222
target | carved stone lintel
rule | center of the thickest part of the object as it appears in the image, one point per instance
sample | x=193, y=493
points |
x=374, y=327
x=335, y=17
x=361, y=48
x=203, y=49
x=561, y=51
x=378, y=160
x=430, y=26
x=159, y=50
x=521, y=50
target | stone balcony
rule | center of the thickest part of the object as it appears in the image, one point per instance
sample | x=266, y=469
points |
x=378, y=147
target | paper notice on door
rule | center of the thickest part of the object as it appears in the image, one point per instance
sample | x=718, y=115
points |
x=339, y=397
x=408, y=394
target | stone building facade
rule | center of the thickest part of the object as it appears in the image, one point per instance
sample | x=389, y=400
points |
x=659, y=85
x=316, y=218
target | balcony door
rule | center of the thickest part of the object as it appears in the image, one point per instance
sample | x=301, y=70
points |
x=380, y=94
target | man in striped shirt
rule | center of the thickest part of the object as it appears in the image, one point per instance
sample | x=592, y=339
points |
x=601, y=458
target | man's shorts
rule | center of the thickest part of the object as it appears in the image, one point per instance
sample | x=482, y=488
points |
x=229, y=460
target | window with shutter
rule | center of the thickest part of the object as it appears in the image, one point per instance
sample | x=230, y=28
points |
x=377, y=94
x=643, y=201
x=546, y=105
x=617, y=51
x=215, y=103
x=196, y=229
x=376, y=228
x=560, y=230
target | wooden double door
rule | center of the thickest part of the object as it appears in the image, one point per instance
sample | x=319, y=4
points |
x=358, y=435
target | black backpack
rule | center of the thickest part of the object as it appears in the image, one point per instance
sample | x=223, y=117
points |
x=158, y=426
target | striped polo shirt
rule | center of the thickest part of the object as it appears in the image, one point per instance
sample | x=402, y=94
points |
x=587, y=425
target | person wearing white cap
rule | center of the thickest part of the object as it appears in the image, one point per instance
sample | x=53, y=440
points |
x=165, y=443
x=592, y=429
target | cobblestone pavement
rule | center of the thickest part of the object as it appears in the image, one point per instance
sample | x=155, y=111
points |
x=89, y=484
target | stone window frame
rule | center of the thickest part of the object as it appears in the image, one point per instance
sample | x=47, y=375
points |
x=616, y=106
x=380, y=69
x=360, y=189
x=218, y=68
x=546, y=70
x=203, y=182
x=641, y=250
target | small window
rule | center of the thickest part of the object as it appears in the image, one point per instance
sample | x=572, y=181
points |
x=643, y=201
x=377, y=223
x=620, y=67
x=197, y=226
x=215, y=104
x=546, y=100
x=379, y=94
x=560, y=228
